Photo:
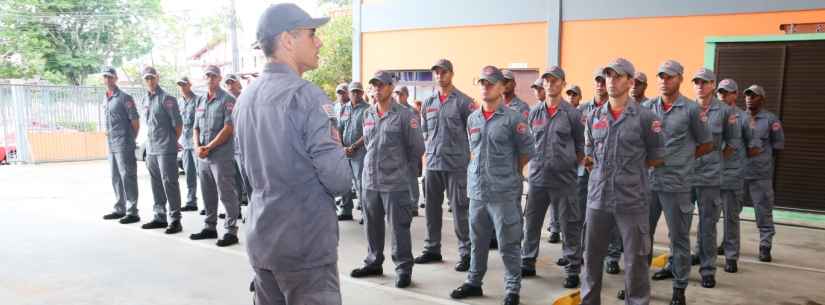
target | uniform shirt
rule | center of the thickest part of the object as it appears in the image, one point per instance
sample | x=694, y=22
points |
x=619, y=149
x=162, y=116
x=586, y=110
x=720, y=120
x=295, y=164
x=519, y=106
x=120, y=111
x=210, y=117
x=187, y=107
x=558, y=140
x=351, y=125
x=683, y=130
x=767, y=130
x=444, y=125
x=393, y=143
x=733, y=167
x=497, y=145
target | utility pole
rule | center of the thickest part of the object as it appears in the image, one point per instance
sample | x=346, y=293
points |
x=233, y=37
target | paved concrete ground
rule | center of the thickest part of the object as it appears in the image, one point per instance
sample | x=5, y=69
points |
x=56, y=249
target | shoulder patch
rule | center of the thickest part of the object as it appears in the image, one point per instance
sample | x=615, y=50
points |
x=413, y=123
x=169, y=103
x=130, y=103
x=703, y=116
x=776, y=126
x=732, y=119
x=327, y=108
x=521, y=128
x=230, y=105
x=656, y=127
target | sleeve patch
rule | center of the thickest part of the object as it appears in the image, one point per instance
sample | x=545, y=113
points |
x=732, y=119
x=776, y=126
x=413, y=123
x=656, y=127
x=521, y=128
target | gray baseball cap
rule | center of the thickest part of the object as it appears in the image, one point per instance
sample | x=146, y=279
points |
x=704, y=74
x=383, y=77
x=108, y=71
x=184, y=80
x=508, y=75
x=212, y=69
x=755, y=90
x=231, y=78
x=574, y=88
x=728, y=85
x=149, y=72
x=598, y=73
x=554, y=71
x=539, y=83
x=640, y=76
x=341, y=87
x=621, y=66
x=282, y=17
x=491, y=74
x=444, y=64
x=402, y=89
x=671, y=67
x=356, y=86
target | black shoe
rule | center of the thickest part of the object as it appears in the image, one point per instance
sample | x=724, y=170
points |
x=428, y=257
x=358, y=207
x=463, y=264
x=493, y=244
x=678, y=297
x=244, y=202
x=554, y=238
x=571, y=281
x=222, y=215
x=528, y=272
x=204, y=234
x=174, y=227
x=663, y=274
x=415, y=212
x=765, y=254
x=562, y=262
x=403, y=281
x=620, y=295
x=694, y=260
x=227, y=240
x=154, y=224
x=367, y=271
x=709, y=281
x=202, y=212
x=129, y=219
x=511, y=299
x=422, y=205
x=189, y=208
x=731, y=266
x=613, y=267
x=720, y=250
x=361, y=221
x=112, y=216
x=344, y=217
x=466, y=291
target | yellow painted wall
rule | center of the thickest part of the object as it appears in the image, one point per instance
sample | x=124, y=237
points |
x=469, y=48
x=649, y=41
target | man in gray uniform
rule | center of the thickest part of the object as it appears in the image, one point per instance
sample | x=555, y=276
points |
x=732, y=172
x=552, y=213
x=216, y=164
x=639, y=87
x=165, y=125
x=767, y=130
x=706, y=178
x=510, y=99
x=444, y=124
x=574, y=95
x=393, y=142
x=622, y=141
x=350, y=122
x=538, y=90
x=341, y=99
x=559, y=147
x=282, y=119
x=233, y=85
x=187, y=105
x=686, y=138
x=122, y=125
x=401, y=94
x=501, y=146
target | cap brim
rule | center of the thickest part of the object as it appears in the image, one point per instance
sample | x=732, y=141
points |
x=229, y=80
x=210, y=72
x=181, y=83
x=439, y=66
x=668, y=72
x=574, y=91
x=356, y=89
x=535, y=86
x=372, y=80
x=150, y=75
x=107, y=74
x=314, y=23
x=341, y=90
x=489, y=79
x=616, y=69
x=751, y=92
x=546, y=74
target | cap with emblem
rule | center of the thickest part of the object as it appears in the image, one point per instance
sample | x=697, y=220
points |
x=213, y=70
x=402, y=90
x=639, y=76
x=183, y=81
x=621, y=66
x=108, y=71
x=705, y=74
x=443, y=64
x=671, y=67
x=728, y=85
x=279, y=18
x=149, y=72
x=382, y=77
x=508, y=75
x=598, y=73
x=341, y=88
x=491, y=74
x=554, y=71
x=575, y=89
x=231, y=78
x=353, y=86
x=755, y=90
x=538, y=84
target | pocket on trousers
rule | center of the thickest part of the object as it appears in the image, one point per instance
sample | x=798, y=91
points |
x=644, y=240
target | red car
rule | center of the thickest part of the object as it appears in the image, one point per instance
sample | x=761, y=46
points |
x=7, y=153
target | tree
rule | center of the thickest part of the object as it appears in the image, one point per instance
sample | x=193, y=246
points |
x=74, y=38
x=338, y=3
x=336, y=55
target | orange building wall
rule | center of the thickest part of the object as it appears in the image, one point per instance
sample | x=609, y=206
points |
x=649, y=41
x=469, y=49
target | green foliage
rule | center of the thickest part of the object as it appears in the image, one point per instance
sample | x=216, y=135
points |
x=336, y=55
